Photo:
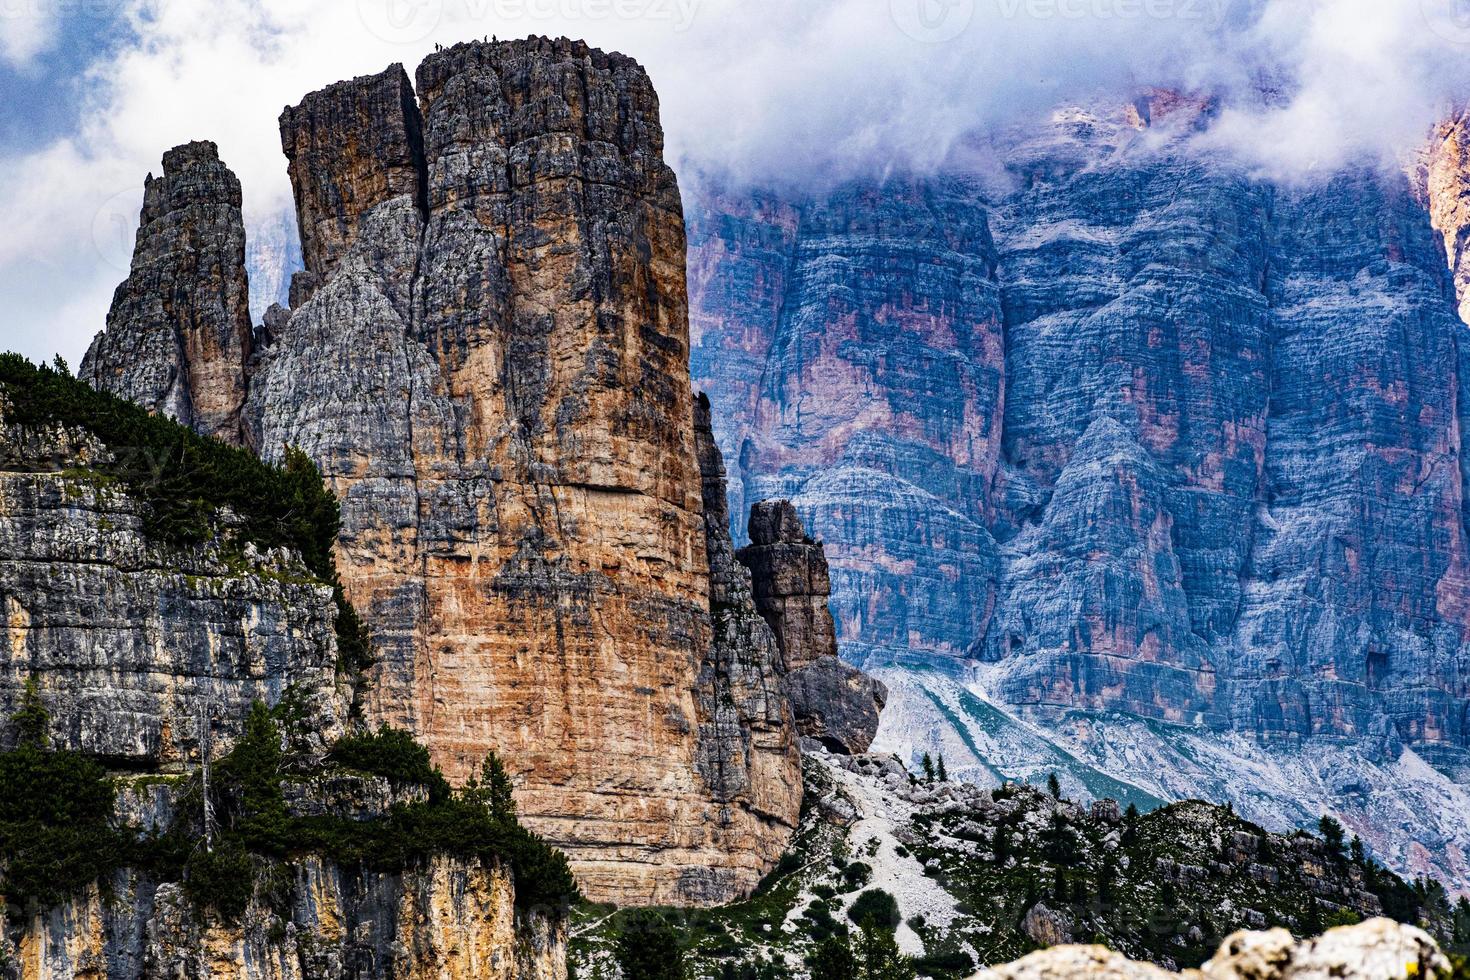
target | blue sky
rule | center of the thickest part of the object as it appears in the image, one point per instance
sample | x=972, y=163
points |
x=94, y=91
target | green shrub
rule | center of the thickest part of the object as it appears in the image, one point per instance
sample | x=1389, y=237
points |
x=877, y=905
x=221, y=879
x=393, y=754
x=56, y=835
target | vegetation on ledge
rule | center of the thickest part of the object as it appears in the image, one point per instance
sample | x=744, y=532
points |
x=59, y=832
x=185, y=479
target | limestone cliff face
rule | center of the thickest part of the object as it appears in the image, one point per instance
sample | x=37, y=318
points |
x=852, y=346
x=178, y=333
x=135, y=643
x=487, y=356
x=1126, y=430
x=834, y=703
x=447, y=918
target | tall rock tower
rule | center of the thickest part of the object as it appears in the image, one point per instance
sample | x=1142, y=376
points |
x=487, y=355
x=178, y=335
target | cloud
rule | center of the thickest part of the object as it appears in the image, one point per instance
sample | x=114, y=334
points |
x=804, y=90
x=28, y=28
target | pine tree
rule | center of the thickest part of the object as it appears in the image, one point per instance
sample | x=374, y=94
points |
x=834, y=960
x=879, y=957
x=647, y=947
x=498, y=789
x=32, y=720
x=928, y=764
x=1355, y=850
x=943, y=773
x=1333, y=834
x=1054, y=786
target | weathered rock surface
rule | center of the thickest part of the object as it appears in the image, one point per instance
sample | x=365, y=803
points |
x=487, y=357
x=852, y=349
x=1378, y=949
x=447, y=919
x=135, y=643
x=178, y=334
x=1124, y=429
x=1444, y=182
x=833, y=702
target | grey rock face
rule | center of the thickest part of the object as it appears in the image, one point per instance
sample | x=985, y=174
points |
x=1215, y=477
x=852, y=349
x=178, y=334
x=133, y=643
x=834, y=703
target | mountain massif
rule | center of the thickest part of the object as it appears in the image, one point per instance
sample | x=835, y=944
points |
x=1126, y=457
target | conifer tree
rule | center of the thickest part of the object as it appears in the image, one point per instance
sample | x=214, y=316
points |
x=943, y=773
x=1333, y=834
x=879, y=956
x=834, y=960
x=928, y=764
x=31, y=720
x=1054, y=786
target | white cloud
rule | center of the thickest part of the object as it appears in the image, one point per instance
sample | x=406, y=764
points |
x=27, y=28
x=798, y=89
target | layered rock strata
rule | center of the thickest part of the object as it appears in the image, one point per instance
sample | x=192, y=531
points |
x=834, y=703
x=445, y=918
x=178, y=334
x=487, y=357
x=140, y=647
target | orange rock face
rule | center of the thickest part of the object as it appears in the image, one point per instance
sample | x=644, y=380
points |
x=492, y=370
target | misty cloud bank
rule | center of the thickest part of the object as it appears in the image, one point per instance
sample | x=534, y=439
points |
x=802, y=91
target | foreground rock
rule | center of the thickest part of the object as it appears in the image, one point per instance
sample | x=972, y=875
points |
x=140, y=645
x=1378, y=949
x=835, y=704
x=445, y=918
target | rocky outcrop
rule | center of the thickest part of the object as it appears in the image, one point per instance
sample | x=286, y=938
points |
x=487, y=357
x=350, y=147
x=445, y=918
x=1378, y=949
x=1126, y=430
x=138, y=645
x=1444, y=182
x=834, y=703
x=178, y=334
